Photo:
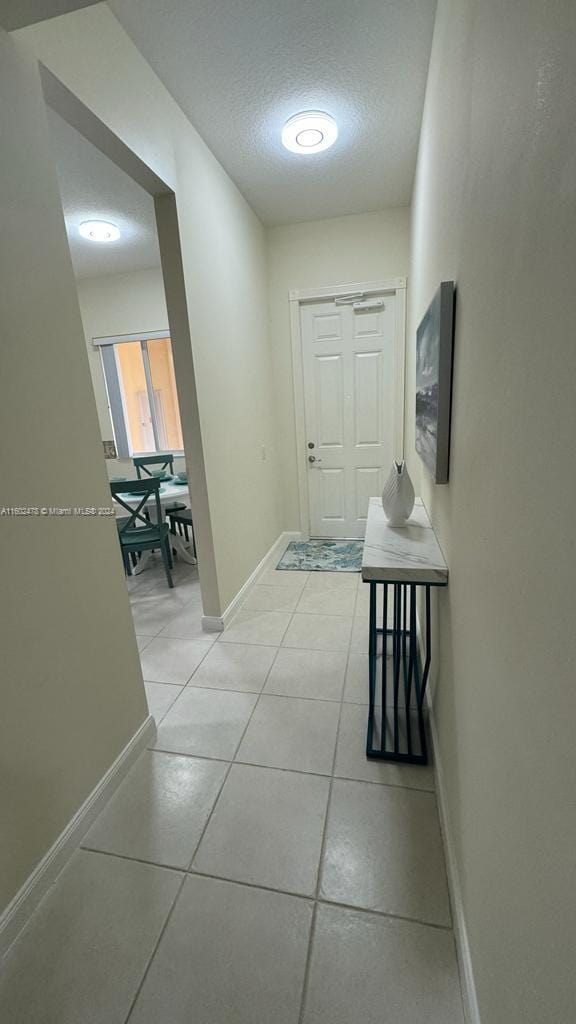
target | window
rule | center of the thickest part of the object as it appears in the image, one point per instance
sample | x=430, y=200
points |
x=142, y=395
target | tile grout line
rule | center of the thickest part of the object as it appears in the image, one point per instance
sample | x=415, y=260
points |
x=317, y=900
x=183, y=686
x=209, y=818
x=279, y=768
x=308, y=898
x=157, y=682
x=187, y=872
x=309, y=952
x=308, y=964
x=312, y=650
x=229, y=769
x=136, y=860
x=155, y=950
x=386, y=914
x=311, y=940
x=332, y=774
x=292, y=614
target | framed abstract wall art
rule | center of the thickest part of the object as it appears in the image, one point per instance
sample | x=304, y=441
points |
x=434, y=351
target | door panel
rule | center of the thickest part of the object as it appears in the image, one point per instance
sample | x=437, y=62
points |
x=332, y=494
x=368, y=482
x=348, y=365
x=329, y=404
x=367, y=398
x=327, y=327
x=368, y=325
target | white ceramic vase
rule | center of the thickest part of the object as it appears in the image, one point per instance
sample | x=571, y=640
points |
x=398, y=495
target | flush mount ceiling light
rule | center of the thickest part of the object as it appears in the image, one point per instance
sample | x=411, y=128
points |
x=309, y=132
x=99, y=231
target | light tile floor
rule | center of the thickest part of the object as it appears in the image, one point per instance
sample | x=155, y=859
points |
x=254, y=867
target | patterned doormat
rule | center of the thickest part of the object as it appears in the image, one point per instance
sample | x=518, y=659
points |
x=323, y=556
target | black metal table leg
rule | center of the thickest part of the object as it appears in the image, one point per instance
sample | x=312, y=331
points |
x=397, y=731
x=372, y=657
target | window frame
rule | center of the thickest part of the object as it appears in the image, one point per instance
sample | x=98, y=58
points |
x=115, y=393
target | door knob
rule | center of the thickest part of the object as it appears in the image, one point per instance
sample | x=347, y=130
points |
x=311, y=458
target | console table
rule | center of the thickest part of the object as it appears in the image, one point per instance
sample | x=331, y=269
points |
x=396, y=562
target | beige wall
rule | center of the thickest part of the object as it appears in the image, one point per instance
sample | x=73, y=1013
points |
x=342, y=250
x=495, y=209
x=335, y=251
x=224, y=260
x=71, y=686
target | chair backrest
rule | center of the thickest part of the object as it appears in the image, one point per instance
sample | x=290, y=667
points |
x=136, y=517
x=141, y=462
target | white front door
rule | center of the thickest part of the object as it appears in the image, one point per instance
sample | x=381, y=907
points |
x=349, y=398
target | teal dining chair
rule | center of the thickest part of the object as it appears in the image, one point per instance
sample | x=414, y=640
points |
x=136, y=532
x=163, y=462
x=181, y=519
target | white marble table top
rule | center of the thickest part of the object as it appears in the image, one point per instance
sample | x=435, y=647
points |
x=402, y=554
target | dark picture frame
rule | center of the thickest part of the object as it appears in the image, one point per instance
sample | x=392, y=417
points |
x=110, y=450
x=434, y=360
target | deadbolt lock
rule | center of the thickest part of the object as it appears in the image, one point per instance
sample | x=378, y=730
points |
x=311, y=444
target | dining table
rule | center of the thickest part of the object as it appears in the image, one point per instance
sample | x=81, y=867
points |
x=170, y=491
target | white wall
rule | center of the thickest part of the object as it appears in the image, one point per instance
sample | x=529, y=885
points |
x=342, y=250
x=114, y=304
x=71, y=685
x=224, y=260
x=495, y=209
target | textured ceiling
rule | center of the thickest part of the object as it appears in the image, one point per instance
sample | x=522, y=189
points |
x=93, y=188
x=240, y=68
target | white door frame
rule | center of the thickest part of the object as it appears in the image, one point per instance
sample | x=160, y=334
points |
x=392, y=285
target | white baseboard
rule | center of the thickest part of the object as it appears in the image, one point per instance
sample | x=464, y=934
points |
x=36, y=886
x=216, y=623
x=468, y=985
x=212, y=623
x=467, y=982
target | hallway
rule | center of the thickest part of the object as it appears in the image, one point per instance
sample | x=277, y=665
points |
x=254, y=866
x=343, y=237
